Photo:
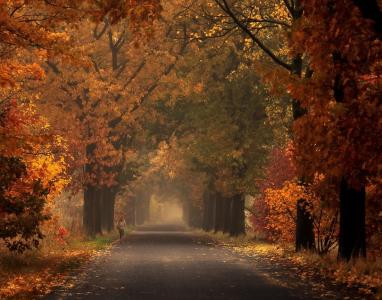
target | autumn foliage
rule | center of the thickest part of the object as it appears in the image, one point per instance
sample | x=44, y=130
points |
x=38, y=158
x=339, y=134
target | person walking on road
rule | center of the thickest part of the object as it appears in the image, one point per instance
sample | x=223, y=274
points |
x=121, y=225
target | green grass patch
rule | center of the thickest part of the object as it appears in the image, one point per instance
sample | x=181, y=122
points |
x=100, y=242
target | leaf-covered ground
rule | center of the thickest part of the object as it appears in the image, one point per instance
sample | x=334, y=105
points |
x=36, y=273
x=326, y=276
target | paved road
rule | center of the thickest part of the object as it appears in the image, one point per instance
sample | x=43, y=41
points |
x=167, y=262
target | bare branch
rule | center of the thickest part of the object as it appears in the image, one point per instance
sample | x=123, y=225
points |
x=97, y=35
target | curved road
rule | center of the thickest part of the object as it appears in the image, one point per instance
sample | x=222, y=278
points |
x=167, y=262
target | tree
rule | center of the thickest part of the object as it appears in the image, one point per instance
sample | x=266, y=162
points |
x=37, y=31
x=339, y=134
x=217, y=120
x=32, y=172
x=103, y=98
x=265, y=27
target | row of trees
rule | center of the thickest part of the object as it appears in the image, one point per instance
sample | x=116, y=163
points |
x=336, y=100
x=323, y=57
x=58, y=106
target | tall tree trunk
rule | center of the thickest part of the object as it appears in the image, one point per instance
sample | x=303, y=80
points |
x=352, y=239
x=227, y=206
x=208, y=210
x=219, y=221
x=97, y=208
x=304, y=227
x=104, y=209
x=112, y=212
x=92, y=199
x=237, y=215
x=213, y=210
x=304, y=224
x=195, y=216
x=92, y=211
x=107, y=204
x=88, y=218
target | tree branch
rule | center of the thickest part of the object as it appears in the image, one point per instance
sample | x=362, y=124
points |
x=225, y=7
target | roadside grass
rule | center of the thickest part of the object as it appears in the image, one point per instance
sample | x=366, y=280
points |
x=98, y=243
x=37, y=272
x=363, y=274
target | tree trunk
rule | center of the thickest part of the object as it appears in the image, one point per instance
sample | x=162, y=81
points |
x=195, y=216
x=352, y=239
x=208, y=210
x=97, y=208
x=227, y=206
x=92, y=211
x=104, y=203
x=304, y=224
x=219, y=221
x=213, y=210
x=92, y=200
x=237, y=215
x=107, y=205
x=304, y=227
x=88, y=219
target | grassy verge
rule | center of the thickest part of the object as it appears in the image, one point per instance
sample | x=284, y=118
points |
x=363, y=274
x=37, y=272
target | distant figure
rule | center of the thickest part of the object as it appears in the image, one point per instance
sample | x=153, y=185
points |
x=121, y=225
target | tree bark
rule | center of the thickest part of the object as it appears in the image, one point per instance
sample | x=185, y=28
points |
x=97, y=217
x=304, y=227
x=92, y=211
x=237, y=215
x=352, y=239
x=227, y=214
x=219, y=221
x=208, y=210
x=195, y=216
x=304, y=235
x=107, y=208
x=88, y=220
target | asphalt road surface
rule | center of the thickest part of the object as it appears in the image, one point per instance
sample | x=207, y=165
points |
x=168, y=262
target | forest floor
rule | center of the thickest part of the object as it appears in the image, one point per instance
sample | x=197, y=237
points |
x=362, y=278
x=157, y=262
x=36, y=273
